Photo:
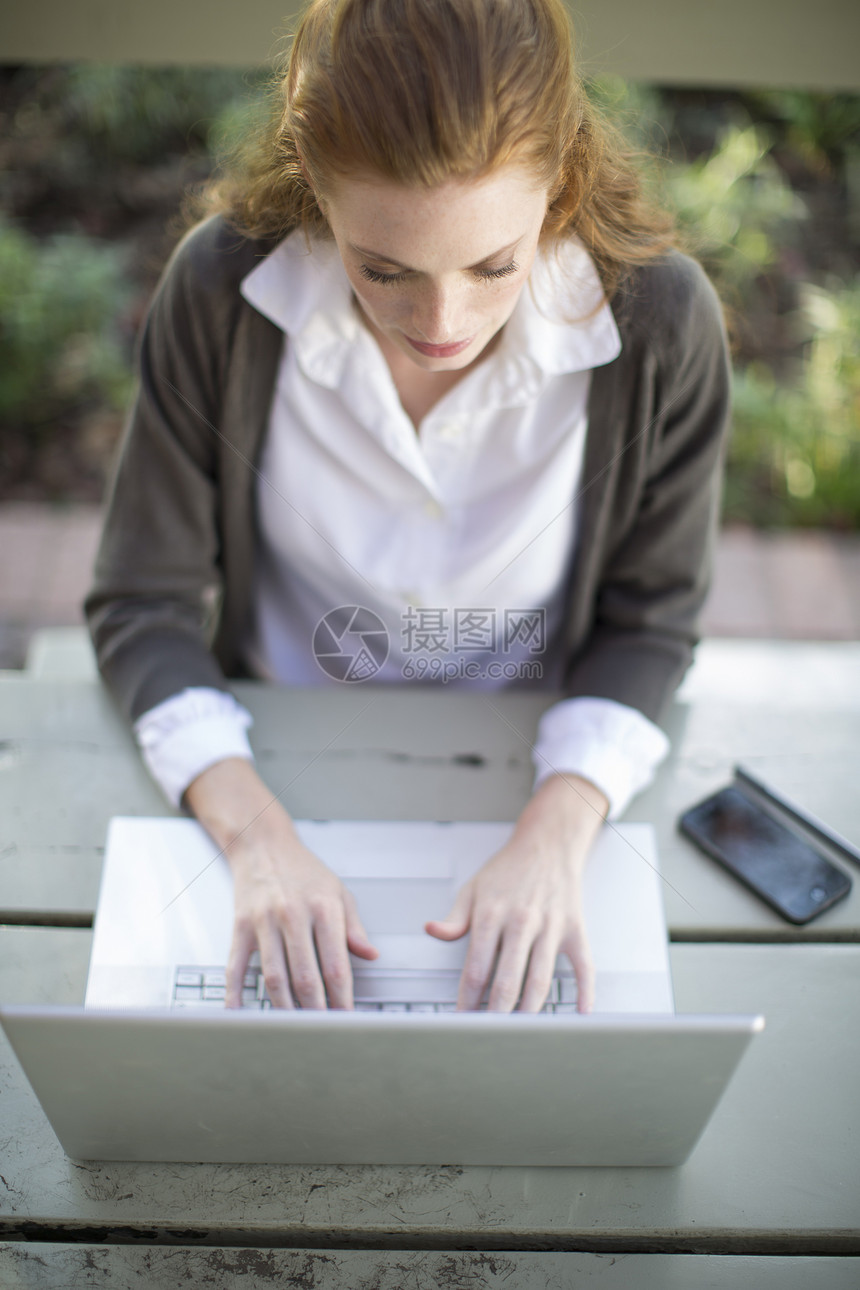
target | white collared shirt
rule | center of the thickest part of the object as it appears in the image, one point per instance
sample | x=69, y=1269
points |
x=454, y=543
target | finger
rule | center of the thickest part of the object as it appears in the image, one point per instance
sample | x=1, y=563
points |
x=540, y=972
x=478, y=967
x=274, y=966
x=457, y=922
x=511, y=967
x=330, y=938
x=578, y=951
x=241, y=949
x=305, y=977
x=357, y=939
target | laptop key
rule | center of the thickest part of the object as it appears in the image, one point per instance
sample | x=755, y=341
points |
x=184, y=992
x=567, y=989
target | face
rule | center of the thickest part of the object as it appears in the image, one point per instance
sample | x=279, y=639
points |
x=437, y=272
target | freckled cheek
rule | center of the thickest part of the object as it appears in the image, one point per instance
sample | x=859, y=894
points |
x=383, y=309
x=503, y=303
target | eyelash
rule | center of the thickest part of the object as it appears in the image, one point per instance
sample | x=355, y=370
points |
x=488, y=275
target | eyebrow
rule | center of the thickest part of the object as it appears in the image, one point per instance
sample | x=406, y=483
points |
x=386, y=259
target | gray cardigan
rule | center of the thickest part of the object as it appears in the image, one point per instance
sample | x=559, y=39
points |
x=171, y=601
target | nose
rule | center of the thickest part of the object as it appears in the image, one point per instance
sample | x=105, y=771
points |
x=437, y=313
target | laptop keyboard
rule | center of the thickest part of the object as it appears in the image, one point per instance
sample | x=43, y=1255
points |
x=383, y=991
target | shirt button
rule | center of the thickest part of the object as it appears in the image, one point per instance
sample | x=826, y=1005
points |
x=450, y=430
x=432, y=509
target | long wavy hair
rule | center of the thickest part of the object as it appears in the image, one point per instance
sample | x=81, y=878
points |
x=422, y=91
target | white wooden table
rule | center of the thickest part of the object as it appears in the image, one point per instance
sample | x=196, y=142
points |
x=791, y=713
x=771, y=1195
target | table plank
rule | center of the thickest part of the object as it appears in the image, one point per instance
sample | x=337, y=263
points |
x=50, y=1266
x=776, y=1172
x=67, y=764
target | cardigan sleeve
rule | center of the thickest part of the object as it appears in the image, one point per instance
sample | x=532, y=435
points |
x=655, y=571
x=158, y=576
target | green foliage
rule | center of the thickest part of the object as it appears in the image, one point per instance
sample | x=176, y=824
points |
x=734, y=207
x=87, y=134
x=59, y=344
x=238, y=118
x=136, y=113
x=795, y=450
x=819, y=127
x=794, y=456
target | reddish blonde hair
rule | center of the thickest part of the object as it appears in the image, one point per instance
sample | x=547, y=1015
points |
x=421, y=91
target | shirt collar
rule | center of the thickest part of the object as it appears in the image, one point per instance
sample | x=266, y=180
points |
x=561, y=322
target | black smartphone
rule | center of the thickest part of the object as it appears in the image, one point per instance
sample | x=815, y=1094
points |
x=780, y=867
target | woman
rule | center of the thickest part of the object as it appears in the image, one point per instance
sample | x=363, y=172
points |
x=433, y=351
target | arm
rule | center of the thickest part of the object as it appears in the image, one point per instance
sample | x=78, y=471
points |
x=651, y=510
x=651, y=500
x=171, y=600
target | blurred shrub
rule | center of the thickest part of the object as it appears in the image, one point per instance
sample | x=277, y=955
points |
x=87, y=134
x=734, y=207
x=135, y=114
x=82, y=132
x=794, y=456
x=795, y=451
x=818, y=127
x=60, y=343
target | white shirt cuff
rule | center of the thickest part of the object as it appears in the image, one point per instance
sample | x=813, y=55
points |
x=610, y=744
x=189, y=732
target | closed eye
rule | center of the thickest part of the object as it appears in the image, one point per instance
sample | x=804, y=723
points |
x=487, y=275
x=373, y=275
x=503, y=272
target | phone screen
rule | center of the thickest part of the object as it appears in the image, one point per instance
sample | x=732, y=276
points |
x=779, y=866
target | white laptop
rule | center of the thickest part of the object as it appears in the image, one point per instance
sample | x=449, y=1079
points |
x=154, y=1068
x=164, y=916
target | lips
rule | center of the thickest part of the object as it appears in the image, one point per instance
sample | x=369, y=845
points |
x=440, y=351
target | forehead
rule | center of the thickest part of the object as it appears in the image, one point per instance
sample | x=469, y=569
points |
x=464, y=219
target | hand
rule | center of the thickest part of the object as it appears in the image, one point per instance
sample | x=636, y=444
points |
x=524, y=905
x=288, y=904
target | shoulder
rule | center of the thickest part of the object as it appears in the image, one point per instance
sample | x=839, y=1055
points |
x=669, y=306
x=212, y=259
